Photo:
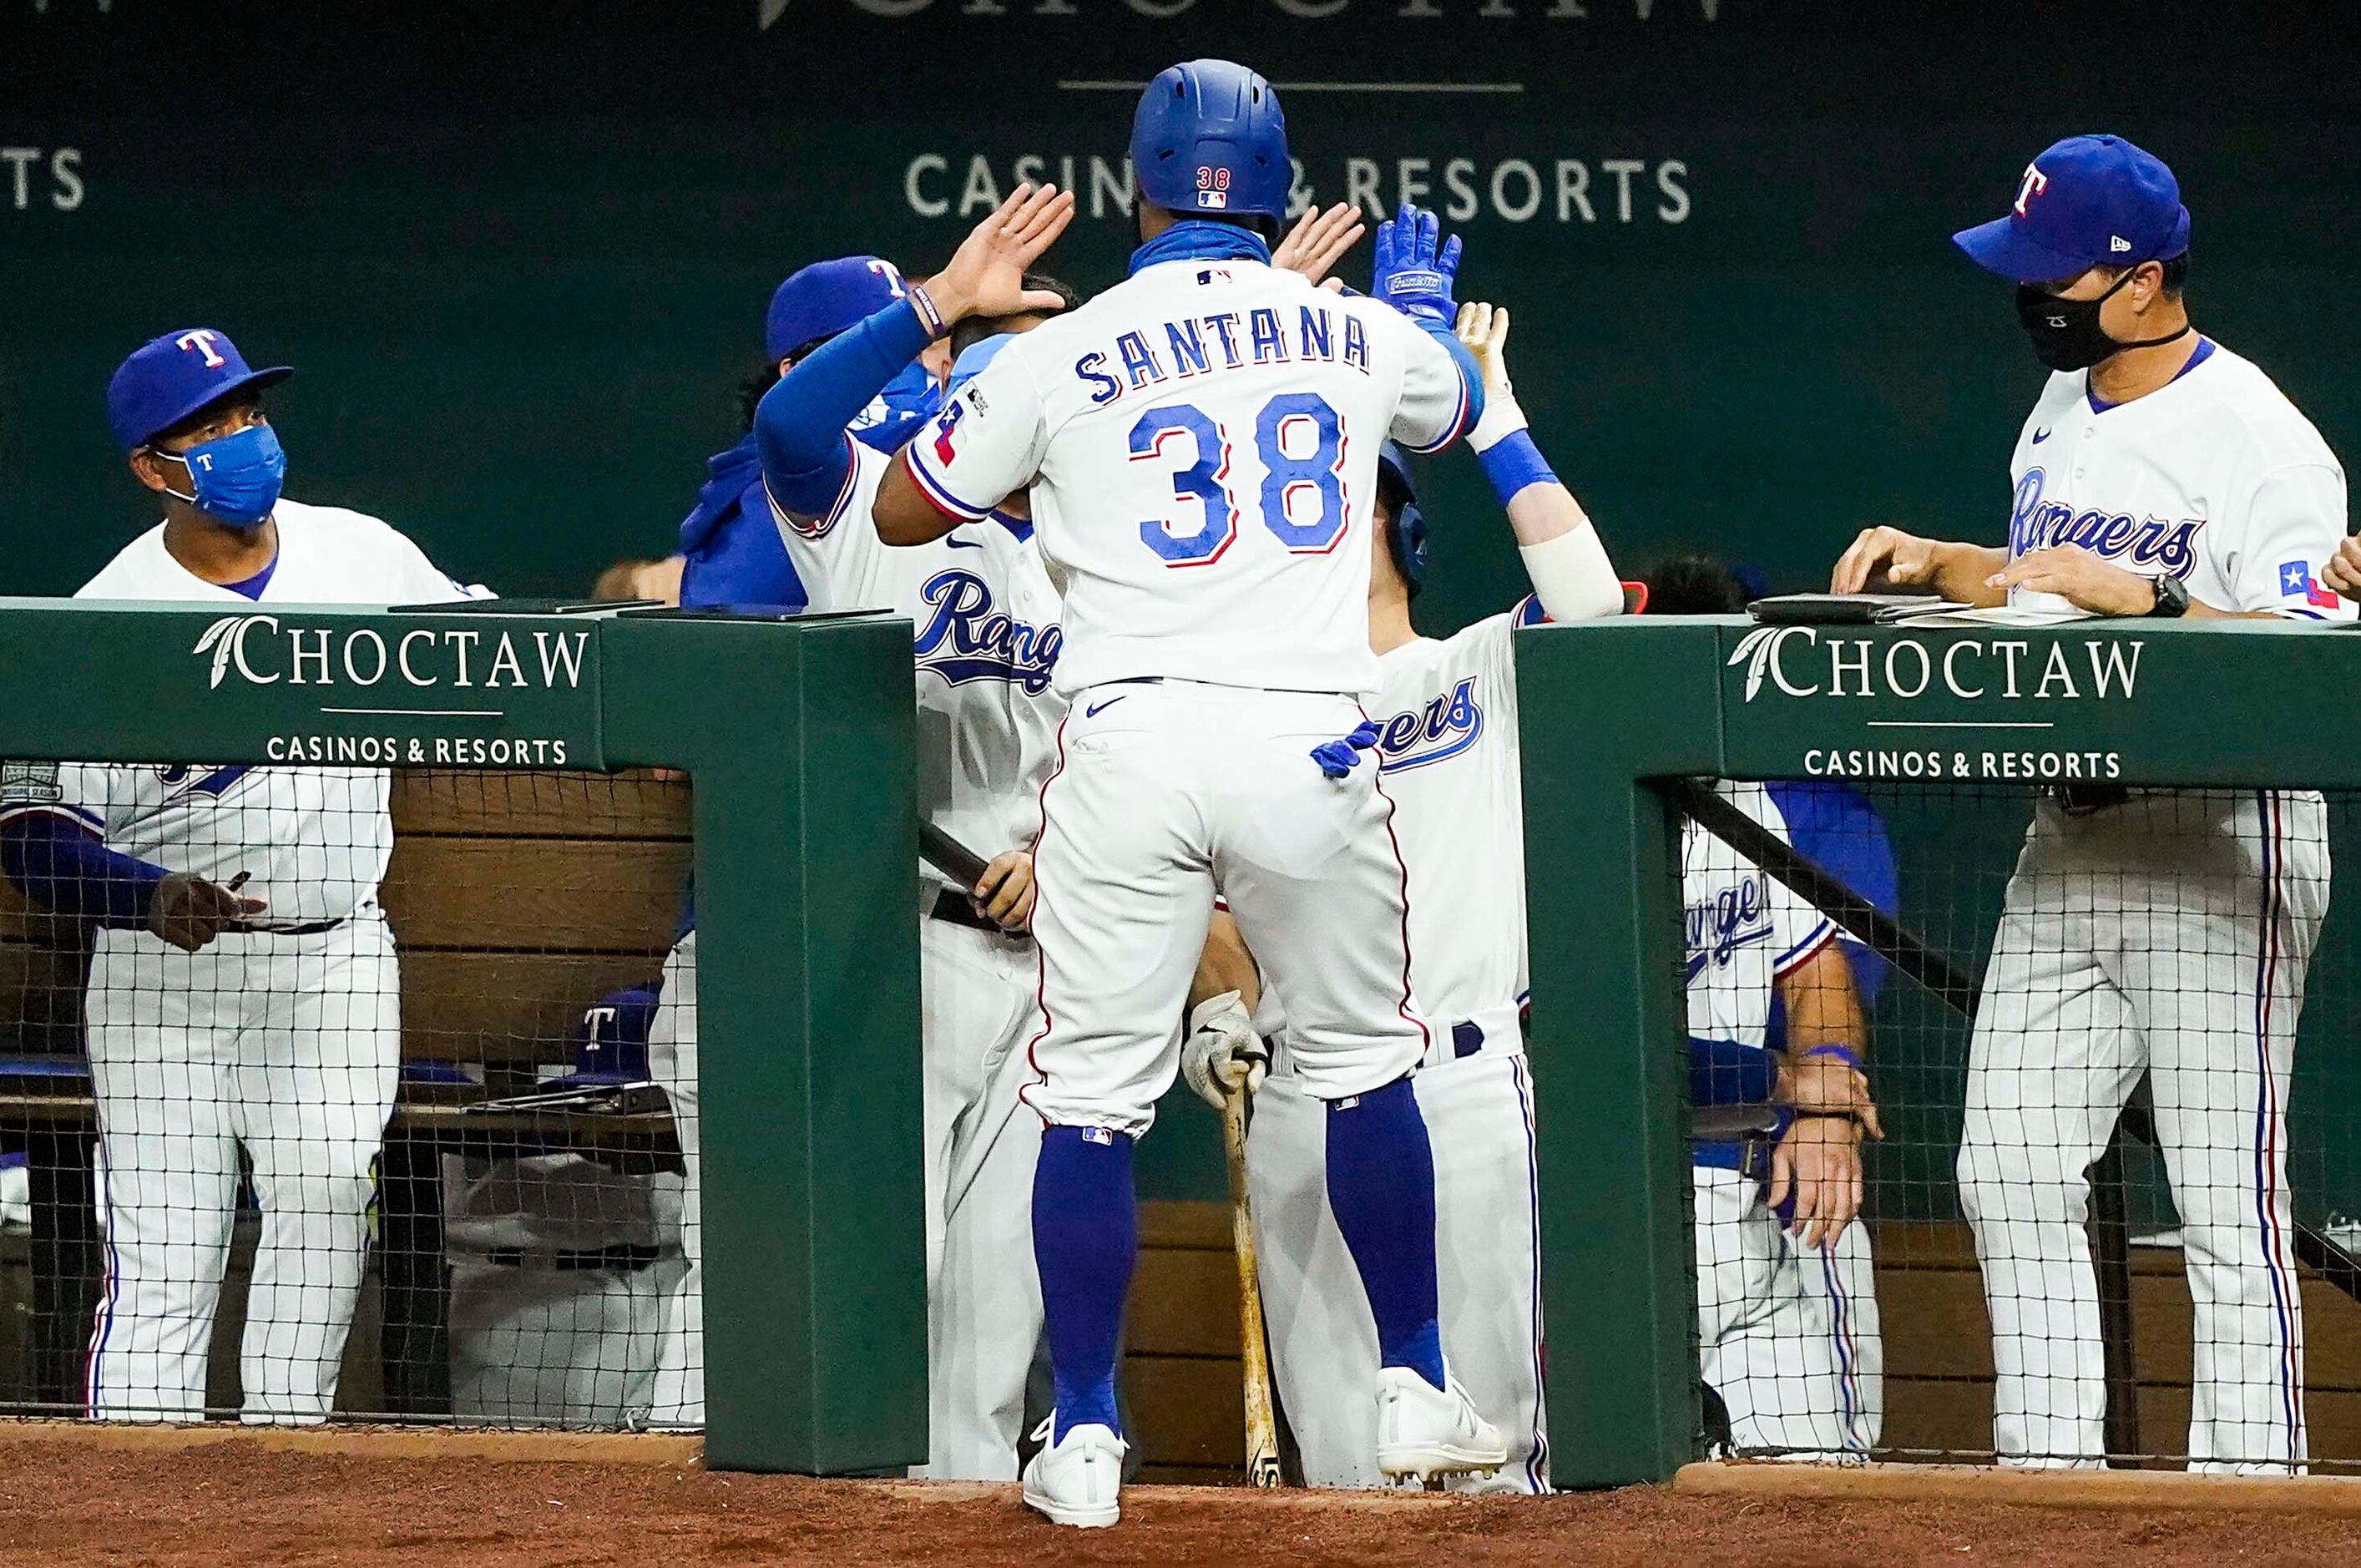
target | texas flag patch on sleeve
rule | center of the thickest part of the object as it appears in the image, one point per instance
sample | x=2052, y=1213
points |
x=2295, y=577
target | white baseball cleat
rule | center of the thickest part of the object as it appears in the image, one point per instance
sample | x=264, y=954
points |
x=1077, y=1479
x=1426, y=1432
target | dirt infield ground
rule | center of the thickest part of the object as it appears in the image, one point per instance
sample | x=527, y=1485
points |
x=64, y=1502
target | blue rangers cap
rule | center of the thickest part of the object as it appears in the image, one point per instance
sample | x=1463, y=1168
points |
x=827, y=297
x=1209, y=137
x=167, y=378
x=2084, y=200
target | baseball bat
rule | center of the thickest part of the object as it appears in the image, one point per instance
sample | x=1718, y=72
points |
x=949, y=856
x=1908, y=952
x=1861, y=919
x=1254, y=1349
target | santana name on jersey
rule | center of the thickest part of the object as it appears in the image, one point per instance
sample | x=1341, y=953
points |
x=1194, y=345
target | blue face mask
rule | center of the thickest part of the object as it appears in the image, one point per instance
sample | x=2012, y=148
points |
x=236, y=477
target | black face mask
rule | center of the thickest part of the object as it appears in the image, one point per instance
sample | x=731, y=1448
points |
x=2065, y=332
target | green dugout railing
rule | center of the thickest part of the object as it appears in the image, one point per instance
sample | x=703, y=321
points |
x=798, y=734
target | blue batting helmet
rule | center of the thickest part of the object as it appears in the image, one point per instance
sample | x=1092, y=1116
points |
x=611, y=1042
x=1407, y=536
x=1209, y=137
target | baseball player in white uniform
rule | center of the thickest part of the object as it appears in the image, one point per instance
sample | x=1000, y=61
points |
x=1787, y=1331
x=986, y=638
x=1446, y=744
x=243, y=992
x=2163, y=933
x=1201, y=443
x=975, y=722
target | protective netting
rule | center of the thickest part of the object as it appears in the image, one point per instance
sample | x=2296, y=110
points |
x=2114, y=1212
x=387, y=1141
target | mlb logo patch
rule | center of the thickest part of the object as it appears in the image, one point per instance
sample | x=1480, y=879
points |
x=1212, y=198
x=1099, y=1135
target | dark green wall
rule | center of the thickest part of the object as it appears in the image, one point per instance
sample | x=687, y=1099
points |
x=520, y=253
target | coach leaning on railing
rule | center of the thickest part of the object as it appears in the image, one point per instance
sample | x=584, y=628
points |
x=2158, y=474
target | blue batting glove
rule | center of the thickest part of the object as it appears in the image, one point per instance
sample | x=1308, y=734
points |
x=1338, y=758
x=1413, y=273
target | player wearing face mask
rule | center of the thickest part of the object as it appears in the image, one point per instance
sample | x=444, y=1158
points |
x=2158, y=473
x=243, y=1006
x=2151, y=933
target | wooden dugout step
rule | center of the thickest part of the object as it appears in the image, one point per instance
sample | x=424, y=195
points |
x=2126, y=1489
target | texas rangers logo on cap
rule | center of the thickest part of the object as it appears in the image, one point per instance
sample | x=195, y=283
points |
x=200, y=341
x=2036, y=183
x=2084, y=200
x=167, y=378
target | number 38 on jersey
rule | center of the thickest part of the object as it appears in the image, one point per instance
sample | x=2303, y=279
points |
x=1298, y=443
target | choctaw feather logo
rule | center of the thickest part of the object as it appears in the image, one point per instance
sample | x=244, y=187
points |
x=223, y=636
x=1762, y=645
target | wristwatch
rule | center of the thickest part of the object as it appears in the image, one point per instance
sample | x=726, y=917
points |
x=2171, y=598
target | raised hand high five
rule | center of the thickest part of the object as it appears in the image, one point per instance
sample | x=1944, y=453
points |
x=1318, y=241
x=985, y=277
x=1416, y=268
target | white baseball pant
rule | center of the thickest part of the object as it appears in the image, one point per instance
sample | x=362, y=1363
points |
x=2168, y=937
x=1164, y=791
x=677, y=1397
x=289, y=1047
x=533, y=1342
x=984, y=1296
x=542, y=1331
x=1323, y=1342
x=1787, y=1334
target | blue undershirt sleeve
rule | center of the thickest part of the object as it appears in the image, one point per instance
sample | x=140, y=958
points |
x=63, y=866
x=1723, y=1072
x=799, y=427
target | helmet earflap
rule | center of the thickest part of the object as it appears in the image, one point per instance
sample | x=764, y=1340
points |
x=1406, y=537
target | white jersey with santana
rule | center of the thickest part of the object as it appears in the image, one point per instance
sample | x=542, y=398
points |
x=1746, y=929
x=2215, y=479
x=984, y=620
x=1205, y=439
x=314, y=840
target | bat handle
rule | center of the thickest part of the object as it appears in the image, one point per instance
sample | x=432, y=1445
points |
x=949, y=856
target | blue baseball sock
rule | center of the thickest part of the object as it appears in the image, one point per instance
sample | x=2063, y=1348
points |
x=1085, y=1240
x=1381, y=1185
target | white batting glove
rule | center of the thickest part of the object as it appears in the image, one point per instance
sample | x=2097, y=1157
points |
x=1483, y=329
x=1222, y=1054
